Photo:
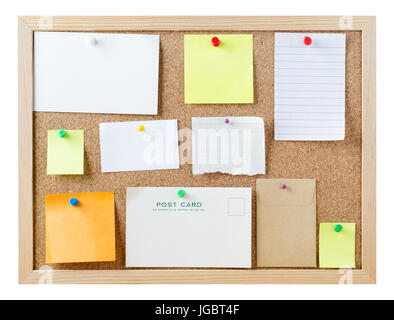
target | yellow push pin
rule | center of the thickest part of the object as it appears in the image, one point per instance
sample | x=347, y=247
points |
x=141, y=128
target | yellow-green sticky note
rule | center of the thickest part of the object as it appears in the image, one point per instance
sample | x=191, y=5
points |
x=222, y=74
x=65, y=154
x=337, y=249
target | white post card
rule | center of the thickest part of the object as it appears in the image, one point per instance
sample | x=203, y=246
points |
x=96, y=72
x=310, y=86
x=207, y=227
x=233, y=145
x=139, y=145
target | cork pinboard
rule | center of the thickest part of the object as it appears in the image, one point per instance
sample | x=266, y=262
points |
x=344, y=170
x=335, y=165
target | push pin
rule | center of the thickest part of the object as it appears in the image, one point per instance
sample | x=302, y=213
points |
x=62, y=133
x=215, y=41
x=141, y=128
x=338, y=228
x=284, y=186
x=73, y=202
x=181, y=193
x=307, y=41
x=227, y=121
x=92, y=41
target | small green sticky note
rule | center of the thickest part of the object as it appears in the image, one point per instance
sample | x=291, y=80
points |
x=222, y=74
x=65, y=154
x=337, y=249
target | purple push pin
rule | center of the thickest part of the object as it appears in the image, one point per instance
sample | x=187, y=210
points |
x=284, y=186
x=226, y=121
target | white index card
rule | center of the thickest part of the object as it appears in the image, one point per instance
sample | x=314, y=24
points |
x=124, y=148
x=310, y=86
x=96, y=72
x=233, y=145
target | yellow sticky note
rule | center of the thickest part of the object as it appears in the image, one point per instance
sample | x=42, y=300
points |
x=65, y=154
x=337, y=249
x=222, y=74
x=81, y=233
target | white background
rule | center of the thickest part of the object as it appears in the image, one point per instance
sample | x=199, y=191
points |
x=8, y=130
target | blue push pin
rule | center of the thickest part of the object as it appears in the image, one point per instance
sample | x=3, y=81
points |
x=73, y=202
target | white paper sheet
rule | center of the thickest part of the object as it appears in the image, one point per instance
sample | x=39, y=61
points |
x=207, y=228
x=237, y=147
x=310, y=86
x=124, y=148
x=96, y=72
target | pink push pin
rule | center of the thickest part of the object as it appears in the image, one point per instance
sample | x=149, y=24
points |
x=284, y=186
x=227, y=121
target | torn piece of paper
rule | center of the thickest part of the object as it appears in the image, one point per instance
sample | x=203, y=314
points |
x=234, y=145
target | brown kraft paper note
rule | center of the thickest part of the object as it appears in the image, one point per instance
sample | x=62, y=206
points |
x=286, y=222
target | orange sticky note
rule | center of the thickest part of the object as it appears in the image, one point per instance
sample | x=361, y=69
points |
x=81, y=233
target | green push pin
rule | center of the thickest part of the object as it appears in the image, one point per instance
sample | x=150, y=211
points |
x=62, y=133
x=338, y=228
x=181, y=193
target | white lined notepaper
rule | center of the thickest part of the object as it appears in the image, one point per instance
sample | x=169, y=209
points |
x=310, y=86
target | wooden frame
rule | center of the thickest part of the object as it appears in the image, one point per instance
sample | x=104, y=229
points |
x=27, y=25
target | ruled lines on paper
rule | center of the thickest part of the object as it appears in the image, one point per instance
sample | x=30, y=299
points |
x=234, y=147
x=310, y=86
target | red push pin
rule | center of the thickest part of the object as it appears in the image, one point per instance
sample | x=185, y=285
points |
x=215, y=41
x=307, y=41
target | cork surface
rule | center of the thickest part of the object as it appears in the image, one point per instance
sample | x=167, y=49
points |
x=336, y=166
